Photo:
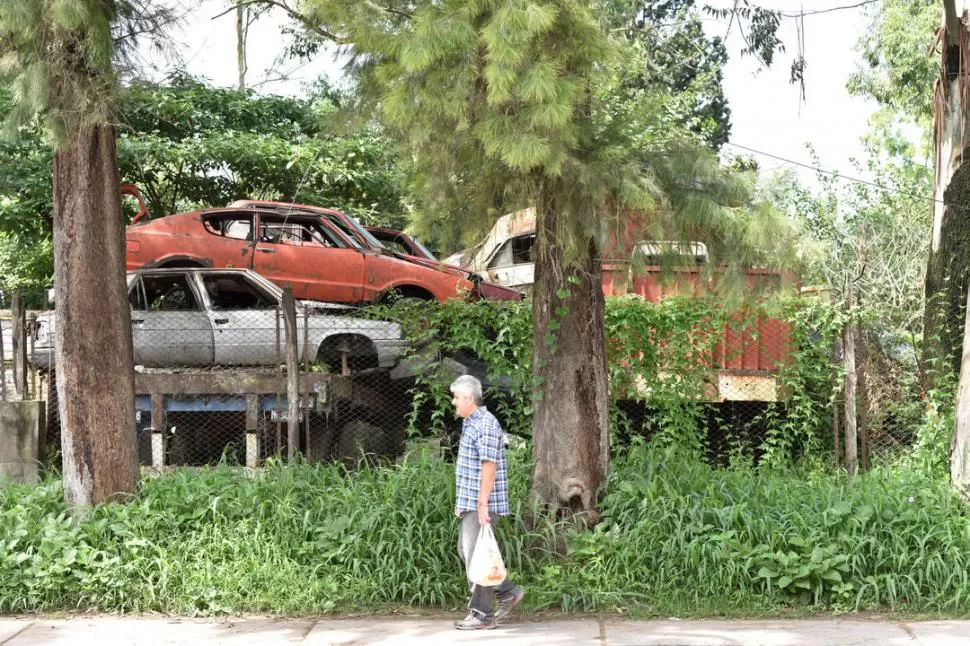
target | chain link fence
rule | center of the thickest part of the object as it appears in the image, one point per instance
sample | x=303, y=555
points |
x=19, y=380
x=216, y=374
x=221, y=374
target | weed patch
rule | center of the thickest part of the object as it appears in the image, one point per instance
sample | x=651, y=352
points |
x=678, y=537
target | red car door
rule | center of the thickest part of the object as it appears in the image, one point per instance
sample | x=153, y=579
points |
x=310, y=257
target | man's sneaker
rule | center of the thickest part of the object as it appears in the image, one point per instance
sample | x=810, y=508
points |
x=506, y=604
x=474, y=622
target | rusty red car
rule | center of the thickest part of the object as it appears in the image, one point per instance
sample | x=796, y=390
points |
x=412, y=249
x=322, y=254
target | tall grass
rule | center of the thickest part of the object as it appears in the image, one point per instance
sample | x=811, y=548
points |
x=678, y=537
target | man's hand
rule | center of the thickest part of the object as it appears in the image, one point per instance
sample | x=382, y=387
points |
x=485, y=490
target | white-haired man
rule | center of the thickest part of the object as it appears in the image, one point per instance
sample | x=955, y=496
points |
x=481, y=496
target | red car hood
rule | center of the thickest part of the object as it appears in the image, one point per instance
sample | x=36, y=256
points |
x=486, y=290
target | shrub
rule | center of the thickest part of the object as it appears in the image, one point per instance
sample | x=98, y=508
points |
x=678, y=537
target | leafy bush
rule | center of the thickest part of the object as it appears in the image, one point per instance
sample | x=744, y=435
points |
x=657, y=356
x=678, y=537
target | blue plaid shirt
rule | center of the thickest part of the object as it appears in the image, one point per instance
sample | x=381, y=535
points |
x=482, y=440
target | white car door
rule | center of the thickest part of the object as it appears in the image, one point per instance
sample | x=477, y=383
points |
x=512, y=265
x=168, y=326
x=245, y=320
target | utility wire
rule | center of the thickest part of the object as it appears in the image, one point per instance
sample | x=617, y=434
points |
x=848, y=178
x=813, y=12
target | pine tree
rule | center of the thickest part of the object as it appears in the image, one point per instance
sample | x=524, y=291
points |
x=58, y=57
x=508, y=104
x=496, y=99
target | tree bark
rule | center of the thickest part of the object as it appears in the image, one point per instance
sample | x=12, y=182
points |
x=3, y=368
x=948, y=265
x=292, y=376
x=850, y=390
x=960, y=453
x=571, y=445
x=242, y=30
x=18, y=344
x=93, y=350
x=862, y=384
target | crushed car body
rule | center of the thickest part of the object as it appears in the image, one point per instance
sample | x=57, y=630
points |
x=412, y=248
x=191, y=317
x=322, y=254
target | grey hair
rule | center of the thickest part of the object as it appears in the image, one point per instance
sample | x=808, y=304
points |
x=468, y=385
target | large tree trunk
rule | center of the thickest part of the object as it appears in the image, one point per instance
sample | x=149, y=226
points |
x=948, y=267
x=571, y=443
x=93, y=352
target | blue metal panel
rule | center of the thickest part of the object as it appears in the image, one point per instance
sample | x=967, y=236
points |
x=202, y=404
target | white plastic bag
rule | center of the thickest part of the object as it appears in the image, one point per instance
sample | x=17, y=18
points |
x=486, y=567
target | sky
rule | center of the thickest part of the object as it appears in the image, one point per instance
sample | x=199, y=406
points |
x=767, y=112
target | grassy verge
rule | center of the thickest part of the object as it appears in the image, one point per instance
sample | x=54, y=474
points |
x=678, y=538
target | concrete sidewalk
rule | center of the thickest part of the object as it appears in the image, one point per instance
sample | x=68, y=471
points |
x=106, y=630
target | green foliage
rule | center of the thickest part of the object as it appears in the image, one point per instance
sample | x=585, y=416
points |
x=495, y=334
x=875, y=237
x=516, y=87
x=678, y=537
x=658, y=355
x=188, y=145
x=934, y=432
x=890, y=537
x=811, y=383
x=761, y=32
x=57, y=56
x=897, y=69
x=25, y=208
x=672, y=60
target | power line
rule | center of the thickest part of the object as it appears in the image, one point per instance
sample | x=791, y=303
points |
x=814, y=12
x=848, y=178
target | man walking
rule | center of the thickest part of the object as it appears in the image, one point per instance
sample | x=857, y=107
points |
x=482, y=495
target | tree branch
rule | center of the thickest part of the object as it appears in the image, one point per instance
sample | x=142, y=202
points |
x=388, y=9
x=152, y=27
x=292, y=13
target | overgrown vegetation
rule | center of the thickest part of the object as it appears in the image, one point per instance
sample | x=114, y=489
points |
x=658, y=356
x=776, y=530
x=678, y=537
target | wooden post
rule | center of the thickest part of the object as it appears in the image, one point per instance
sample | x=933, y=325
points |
x=19, y=345
x=835, y=434
x=862, y=352
x=292, y=375
x=306, y=339
x=850, y=386
x=34, y=390
x=3, y=367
